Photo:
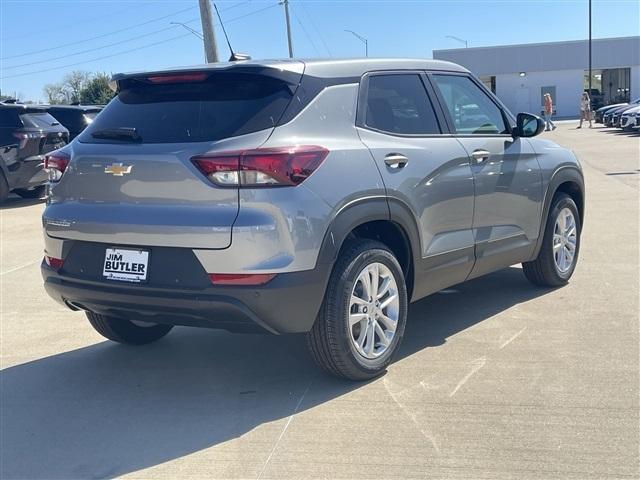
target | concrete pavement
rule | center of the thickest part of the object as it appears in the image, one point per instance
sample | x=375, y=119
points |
x=496, y=378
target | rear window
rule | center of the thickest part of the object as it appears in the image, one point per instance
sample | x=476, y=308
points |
x=74, y=120
x=225, y=105
x=38, y=120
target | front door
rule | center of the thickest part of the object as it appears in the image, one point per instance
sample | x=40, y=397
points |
x=422, y=169
x=508, y=182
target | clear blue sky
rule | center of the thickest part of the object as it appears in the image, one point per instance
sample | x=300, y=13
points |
x=48, y=36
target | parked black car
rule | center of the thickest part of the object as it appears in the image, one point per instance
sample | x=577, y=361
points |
x=26, y=134
x=600, y=113
x=597, y=98
x=612, y=117
x=74, y=118
x=608, y=118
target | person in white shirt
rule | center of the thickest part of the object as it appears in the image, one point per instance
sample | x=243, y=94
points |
x=585, y=109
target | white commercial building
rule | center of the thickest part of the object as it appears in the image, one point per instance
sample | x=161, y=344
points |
x=520, y=74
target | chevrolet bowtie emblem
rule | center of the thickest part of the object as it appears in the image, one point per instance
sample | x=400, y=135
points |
x=118, y=170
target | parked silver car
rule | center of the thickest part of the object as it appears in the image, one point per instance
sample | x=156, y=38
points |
x=629, y=117
x=302, y=196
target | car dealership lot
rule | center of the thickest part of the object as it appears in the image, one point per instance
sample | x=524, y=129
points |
x=495, y=378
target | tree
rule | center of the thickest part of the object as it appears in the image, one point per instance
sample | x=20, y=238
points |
x=56, y=93
x=80, y=87
x=75, y=82
x=97, y=91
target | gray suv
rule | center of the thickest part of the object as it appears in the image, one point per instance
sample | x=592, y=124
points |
x=317, y=197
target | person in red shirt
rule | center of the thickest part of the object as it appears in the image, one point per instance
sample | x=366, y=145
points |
x=548, y=112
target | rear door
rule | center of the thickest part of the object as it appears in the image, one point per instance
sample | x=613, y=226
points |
x=508, y=183
x=143, y=189
x=422, y=169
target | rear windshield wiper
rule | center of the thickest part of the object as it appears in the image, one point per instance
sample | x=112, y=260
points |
x=127, y=134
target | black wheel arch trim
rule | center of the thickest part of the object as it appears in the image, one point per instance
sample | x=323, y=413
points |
x=350, y=216
x=564, y=174
x=367, y=210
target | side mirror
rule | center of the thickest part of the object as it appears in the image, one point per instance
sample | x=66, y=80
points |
x=528, y=125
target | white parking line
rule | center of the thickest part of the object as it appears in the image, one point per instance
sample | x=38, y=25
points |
x=512, y=338
x=425, y=433
x=19, y=267
x=476, y=365
x=295, y=410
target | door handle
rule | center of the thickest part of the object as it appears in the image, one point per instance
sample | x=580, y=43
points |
x=395, y=160
x=479, y=156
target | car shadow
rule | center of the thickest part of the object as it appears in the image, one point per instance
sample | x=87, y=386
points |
x=106, y=410
x=14, y=201
x=627, y=133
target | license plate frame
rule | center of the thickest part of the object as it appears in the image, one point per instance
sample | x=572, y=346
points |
x=129, y=262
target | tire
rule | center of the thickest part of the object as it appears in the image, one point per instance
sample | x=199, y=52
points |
x=545, y=270
x=125, y=331
x=4, y=187
x=37, y=192
x=332, y=341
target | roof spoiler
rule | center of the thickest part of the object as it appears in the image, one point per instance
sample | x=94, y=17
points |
x=291, y=76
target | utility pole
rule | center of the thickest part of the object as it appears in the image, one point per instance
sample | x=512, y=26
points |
x=590, y=99
x=210, y=48
x=286, y=15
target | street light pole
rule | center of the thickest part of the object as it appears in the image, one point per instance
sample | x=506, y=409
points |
x=590, y=75
x=195, y=32
x=363, y=40
x=462, y=40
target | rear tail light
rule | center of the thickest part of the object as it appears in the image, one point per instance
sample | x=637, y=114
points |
x=23, y=138
x=54, y=263
x=262, y=167
x=56, y=163
x=240, y=278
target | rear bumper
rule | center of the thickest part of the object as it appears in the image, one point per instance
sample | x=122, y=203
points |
x=29, y=174
x=287, y=304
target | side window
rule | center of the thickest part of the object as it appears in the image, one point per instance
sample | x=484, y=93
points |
x=471, y=110
x=9, y=121
x=400, y=104
x=9, y=118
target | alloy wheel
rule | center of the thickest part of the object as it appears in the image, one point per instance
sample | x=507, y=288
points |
x=565, y=238
x=373, y=310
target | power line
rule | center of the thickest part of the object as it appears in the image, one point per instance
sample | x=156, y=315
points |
x=305, y=32
x=315, y=27
x=34, y=31
x=99, y=58
x=52, y=59
x=98, y=36
x=133, y=49
x=153, y=20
